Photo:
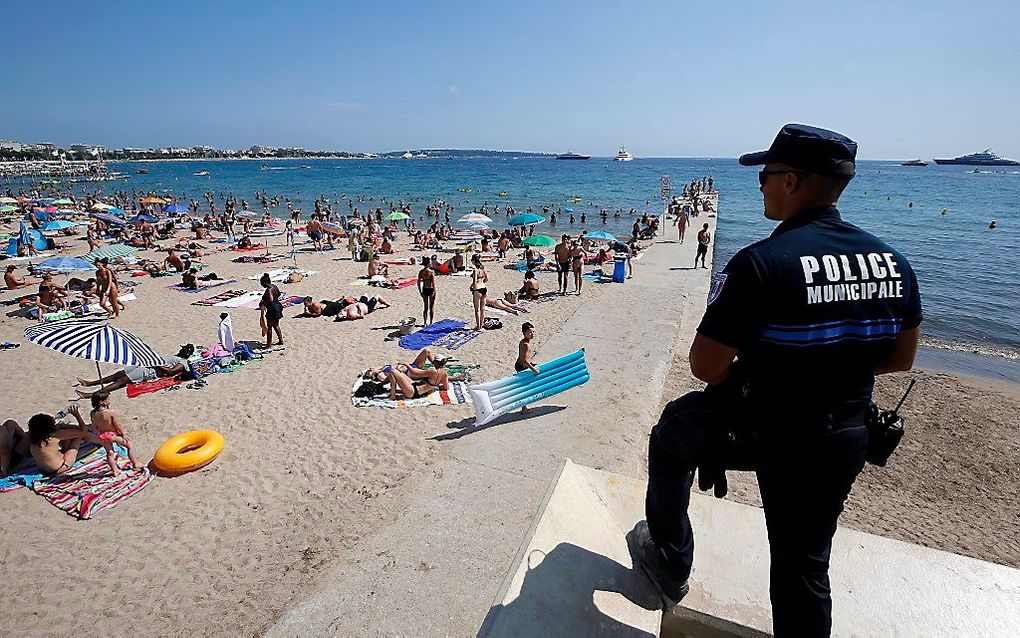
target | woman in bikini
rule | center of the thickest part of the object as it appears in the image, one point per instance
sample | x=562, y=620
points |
x=55, y=448
x=272, y=310
x=427, y=290
x=530, y=288
x=413, y=383
x=576, y=262
x=478, y=289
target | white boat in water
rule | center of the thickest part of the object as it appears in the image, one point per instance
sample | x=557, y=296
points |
x=624, y=155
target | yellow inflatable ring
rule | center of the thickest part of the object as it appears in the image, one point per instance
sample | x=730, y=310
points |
x=188, y=451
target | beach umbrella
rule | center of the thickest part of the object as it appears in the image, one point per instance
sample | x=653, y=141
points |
x=8, y=200
x=397, y=217
x=24, y=237
x=332, y=229
x=65, y=265
x=153, y=200
x=58, y=224
x=46, y=201
x=110, y=219
x=63, y=201
x=7, y=208
x=356, y=221
x=101, y=206
x=95, y=341
x=112, y=251
x=475, y=217
x=175, y=209
x=526, y=219
x=142, y=217
x=601, y=235
x=478, y=226
x=539, y=240
x=116, y=211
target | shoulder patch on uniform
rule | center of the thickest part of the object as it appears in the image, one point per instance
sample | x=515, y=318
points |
x=717, y=284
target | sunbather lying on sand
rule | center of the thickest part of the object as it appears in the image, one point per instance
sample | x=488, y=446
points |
x=414, y=382
x=362, y=308
x=505, y=305
x=172, y=367
x=425, y=357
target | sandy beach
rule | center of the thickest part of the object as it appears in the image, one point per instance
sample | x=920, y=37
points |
x=305, y=476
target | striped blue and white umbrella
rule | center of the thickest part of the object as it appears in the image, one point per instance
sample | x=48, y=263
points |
x=95, y=341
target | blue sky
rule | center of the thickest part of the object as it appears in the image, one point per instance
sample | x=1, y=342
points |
x=905, y=79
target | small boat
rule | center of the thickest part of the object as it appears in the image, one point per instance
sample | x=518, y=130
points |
x=142, y=171
x=984, y=158
x=200, y=173
x=914, y=162
x=407, y=155
x=572, y=156
x=623, y=155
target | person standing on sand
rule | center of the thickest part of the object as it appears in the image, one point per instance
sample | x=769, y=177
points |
x=106, y=284
x=704, y=239
x=271, y=309
x=478, y=289
x=427, y=290
x=576, y=264
x=562, y=253
x=784, y=398
x=526, y=352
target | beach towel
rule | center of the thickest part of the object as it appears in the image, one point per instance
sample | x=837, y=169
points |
x=404, y=282
x=249, y=249
x=456, y=395
x=280, y=275
x=181, y=288
x=223, y=296
x=240, y=300
x=430, y=334
x=88, y=488
x=549, y=296
x=27, y=473
x=455, y=340
x=409, y=261
x=286, y=302
x=148, y=387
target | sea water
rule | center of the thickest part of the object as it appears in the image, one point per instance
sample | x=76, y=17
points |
x=967, y=272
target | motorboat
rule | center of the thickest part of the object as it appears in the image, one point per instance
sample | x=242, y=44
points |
x=142, y=171
x=572, y=156
x=914, y=162
x=200, y=173
x=408, y=155
x=984, y=158
x=624, y=155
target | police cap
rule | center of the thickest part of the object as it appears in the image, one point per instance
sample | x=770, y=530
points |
x=811, y=149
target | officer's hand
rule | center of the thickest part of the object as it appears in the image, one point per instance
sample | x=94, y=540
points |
x=712, y=475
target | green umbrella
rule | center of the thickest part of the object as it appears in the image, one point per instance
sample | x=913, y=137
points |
x=539, y=240
x=63, y=201
x=397, y=217
x=7, y=208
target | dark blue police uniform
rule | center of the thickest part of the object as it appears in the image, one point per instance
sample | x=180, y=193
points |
x=813, y=310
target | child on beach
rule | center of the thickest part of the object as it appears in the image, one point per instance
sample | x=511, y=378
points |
x=110, y=430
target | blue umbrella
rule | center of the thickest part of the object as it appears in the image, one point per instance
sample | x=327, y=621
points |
x=23, y=235
x=526, y=219
x=110, y=219
x=116, y=211
x=175, y=209
x=142, y=217
x=59, y=224
x=601, y=235
x=94, y=341
x=65, y=265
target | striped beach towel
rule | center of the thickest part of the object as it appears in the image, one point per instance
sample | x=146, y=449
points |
x=455, y=340
x=89, y=488
x=223, y=296
x=456, y=395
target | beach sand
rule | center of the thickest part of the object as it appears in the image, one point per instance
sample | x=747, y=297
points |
x=225, y=549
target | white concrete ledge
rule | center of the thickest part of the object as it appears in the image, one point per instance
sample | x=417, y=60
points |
x=573, y=575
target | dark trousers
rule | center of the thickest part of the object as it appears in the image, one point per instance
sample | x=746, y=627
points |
x=804, y=481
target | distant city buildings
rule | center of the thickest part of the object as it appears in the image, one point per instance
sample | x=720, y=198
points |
x=14, y=150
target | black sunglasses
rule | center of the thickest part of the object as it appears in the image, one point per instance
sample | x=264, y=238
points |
x=763, y=175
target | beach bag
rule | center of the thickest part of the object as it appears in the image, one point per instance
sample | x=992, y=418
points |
x=294, y=277
x=491, y=323
x=369, y=389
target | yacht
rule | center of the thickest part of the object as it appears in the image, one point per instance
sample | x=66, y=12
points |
x=623, y=155
x=984, y=158
x=408, y=155
x=201, y=173
x=914, y=162
x=572, y=156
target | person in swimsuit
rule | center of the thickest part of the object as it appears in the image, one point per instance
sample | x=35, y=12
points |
x=14, y=447
x=55, y=448
x=11, y=280
x=704, y=239
x=413, y=382
x=562, y=252
x=427, y=290
x=326, y=307
x=173, y=366
x=526, y=352
x=272, y=310
x=110, y=430
x=361, y=308
x=106, y=279
x=576, y=262
x=478, y=290
x=530, y=288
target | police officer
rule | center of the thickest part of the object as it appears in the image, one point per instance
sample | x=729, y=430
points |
x=796, y=328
